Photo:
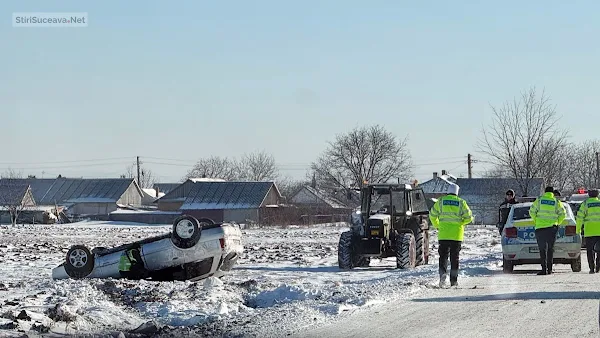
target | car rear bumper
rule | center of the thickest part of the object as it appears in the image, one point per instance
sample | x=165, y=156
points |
x=563, y=252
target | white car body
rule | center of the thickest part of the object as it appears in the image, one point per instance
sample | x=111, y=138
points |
x=523, y=249
x=213, y=253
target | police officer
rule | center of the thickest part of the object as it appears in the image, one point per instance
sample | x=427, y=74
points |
x=547, y=213
x=131, y=265
x=449, y=215
x=589, y=214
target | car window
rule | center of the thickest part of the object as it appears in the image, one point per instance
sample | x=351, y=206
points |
x=521, y=213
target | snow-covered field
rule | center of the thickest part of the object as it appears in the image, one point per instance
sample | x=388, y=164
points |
x=286, y=282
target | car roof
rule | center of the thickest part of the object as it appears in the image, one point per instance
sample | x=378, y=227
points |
x=521, y=205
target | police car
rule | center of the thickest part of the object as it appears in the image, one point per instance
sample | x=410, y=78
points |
x=194, y=250
x=519, y=246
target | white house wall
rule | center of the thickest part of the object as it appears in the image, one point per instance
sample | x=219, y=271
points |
x=131, y=196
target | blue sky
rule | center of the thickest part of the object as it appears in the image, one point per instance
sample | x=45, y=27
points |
x=188, y=79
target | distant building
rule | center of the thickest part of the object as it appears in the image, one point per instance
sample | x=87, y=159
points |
x=438, y=185
x=484, y=195
x=222, y=201
x=316, y=206
x=85, y=197
x=14, y=196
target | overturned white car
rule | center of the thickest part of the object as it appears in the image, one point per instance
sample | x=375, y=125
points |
x=195, y=249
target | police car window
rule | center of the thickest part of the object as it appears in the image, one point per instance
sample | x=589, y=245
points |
x=521, y=213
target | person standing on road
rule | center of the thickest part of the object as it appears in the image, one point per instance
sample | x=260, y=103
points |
x=509, y=199
x=449, y=215
x=505, y=208
x=547, y=214
x=589, y=214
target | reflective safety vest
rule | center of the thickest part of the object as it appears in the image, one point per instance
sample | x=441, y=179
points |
x=589, y=215
x=547, y=211
x=449, y=215
x=126, y=261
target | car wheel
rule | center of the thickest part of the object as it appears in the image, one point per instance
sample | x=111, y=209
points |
x=507, y=266
x=79, y=262
x=576, y=264
x=186, y=232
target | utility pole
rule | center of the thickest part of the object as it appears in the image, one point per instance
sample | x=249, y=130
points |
x=597, y=169
x=469, y=166
x=138, y=172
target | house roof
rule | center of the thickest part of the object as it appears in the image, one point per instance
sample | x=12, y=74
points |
x=77, y=190
x=12, y=192
x=438, y=185
x=166, y=187
x=497, y=186
x=323, y=197
x=226, y=195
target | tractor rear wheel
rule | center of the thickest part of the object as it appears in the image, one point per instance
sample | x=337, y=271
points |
x=406, y=255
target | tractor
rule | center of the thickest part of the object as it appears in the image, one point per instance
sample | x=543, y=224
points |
x=392, y=222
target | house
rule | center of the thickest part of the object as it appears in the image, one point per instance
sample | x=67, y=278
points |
x=484, y=195
x=222, y=201
x=312, y=197
x=438, y=185
x=90, y=197
x=165, y=188
x=316, y=206
x=15, y=197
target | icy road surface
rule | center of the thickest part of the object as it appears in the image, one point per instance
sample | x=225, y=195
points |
x=287, y=282
x=522, y=305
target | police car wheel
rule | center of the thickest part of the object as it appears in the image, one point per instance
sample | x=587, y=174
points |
x=79, y=262
x=186, y=232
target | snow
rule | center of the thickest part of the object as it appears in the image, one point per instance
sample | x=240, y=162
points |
x=152, y=212
x=206, y=179
x=286, y=281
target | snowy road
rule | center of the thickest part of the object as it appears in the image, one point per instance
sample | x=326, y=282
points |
x=520, y=305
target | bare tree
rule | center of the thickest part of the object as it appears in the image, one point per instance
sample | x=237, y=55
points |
x=258, y=166
x=560, y=169
x=366, y=153
x=523, y=137
x=289, y=186
x=215, y=167
x=584, y=173
x=147, y=178
x=14, y=194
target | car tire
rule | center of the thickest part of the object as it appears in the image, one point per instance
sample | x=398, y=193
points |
x=79, y=262
x=186, y=232
x=507, y=266
x=576, y=264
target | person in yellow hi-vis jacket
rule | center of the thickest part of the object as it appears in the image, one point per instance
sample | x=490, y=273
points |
x=547, y=214
x=589, y=214
x=449, y=215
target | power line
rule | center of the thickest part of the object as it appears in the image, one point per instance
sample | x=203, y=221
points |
x=67, y=167
x=73, y=161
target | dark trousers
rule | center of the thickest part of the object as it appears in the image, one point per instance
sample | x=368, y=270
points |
x=546, y=237
x=592, y=257
x=449, y=249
